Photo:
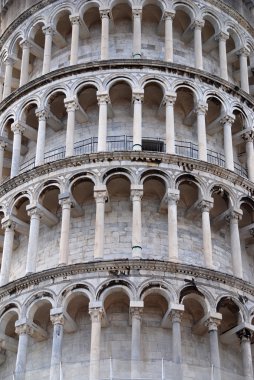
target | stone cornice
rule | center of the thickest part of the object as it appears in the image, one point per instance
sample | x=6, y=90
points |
x=42, y=4
x=120, y=64
x=186, y=163
x=122, y=269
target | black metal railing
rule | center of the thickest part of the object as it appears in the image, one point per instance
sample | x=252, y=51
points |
x=125, y=143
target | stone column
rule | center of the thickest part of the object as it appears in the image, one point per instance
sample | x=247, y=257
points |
x=136, y=196
x=136, y=309
x=245, y=339
x=96, y=317
x=23, y=330
x=170, y=122
x=24, y=73
x=201, y=129
x=198, y=25
x=49, y=32
x=17, y=129
x=248, y=138
x=33, y=239
x=100, y=195
x=244, y=53
x=176, y=313
x=227, y=122
x=74, y=39
x=42, y=115
x=103, y=100
x=137, y=99
x=233, y=219
x=172, y=198
x=71, y=106
x=168, y=17
x=9, y=227
x=136, y=46
x=56, y=354
x=105, y=16
x=212, y=324
x=3, y=145
x=9, y=62
x=222, y=37
x=66, y=204
x=205, y=206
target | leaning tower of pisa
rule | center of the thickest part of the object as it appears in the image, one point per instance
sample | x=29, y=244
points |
x=126, y=193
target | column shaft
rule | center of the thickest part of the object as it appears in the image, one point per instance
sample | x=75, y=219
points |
x=206, y=229
x=48, y=31
x=8, y=77
x=3, y=145
x=7, y=251
x=214, y=348
x=137, y=121
x=198, y=44
x=65, y=231
x=247, y=358
x=136, y=195
x=169, y=36
x=228, y=144
x=33, y=240
x=176, y=315
x=201, y=129
x=248, y=137
x=100, y=197
x=96, y=316
x=136, y=46
x=56, y=354
x=102, y=128
x=172, y=226
x=136, y=342
x=244, y=70
x=223, y=55
x=17, y=129
x=170, y=123
x=74, y=39
x=20, y=369
x=71, y=107
x=104, y=33
x=24, y=74
x=40, y=146
x=235, y=245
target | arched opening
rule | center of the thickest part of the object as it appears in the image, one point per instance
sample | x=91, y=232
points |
x=36, y=55
x=210, y=46
x=152, y=42
x=91, y=35
x=121, y=35
x=153, y=118
x=9, y=340
x=62, y=40
x=154, y=219
x=183, y=36
x=8, y=144
x=246, y=225
x=118, y=218
x=239, y=145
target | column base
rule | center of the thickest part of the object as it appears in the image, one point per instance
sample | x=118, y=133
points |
x=136, y=55
x=136, y=252
x=137, y=147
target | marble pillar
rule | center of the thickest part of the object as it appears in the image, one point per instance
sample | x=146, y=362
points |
x=103, y=100
x=198, y=25
x=9, y=226
x=136, y=45
x=227, y=122
x=18, y=129
x=205, y=206
x=105, y=17
x=66, y=205
x=24, y=72
x=172, y=199
x=33, y=240
x=74, y=39
x=9, y=62
x=201, y=129
x=49, y=32
x=100, y=195
x=42, y=115
x=136, y=196
x=57, y=340
x=71, y=106
x=233, y=218
x=169, y=101
x=168, y=17
x=23, y=330
x=96, y=315
x=248, y=138
x=137, y=99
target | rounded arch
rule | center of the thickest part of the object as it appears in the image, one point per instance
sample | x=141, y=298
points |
x=112, y=286
x=81, y=176
x=157, y=286
x=111, y=82
x=213, y=17
x=70, y=291
x=116, y=172
x=16, y=39
x=84, y=7
x=82, y=85
x=34, y=26
x=46, y=185
x=190, y=9
x=155, y=173
x=36, y=300
x=58, y=10
x=192, y=179
x=18, y=198
x=235, y=33
x=188, y=85
x=201, y=295
x=243, y=312
x=51, y=93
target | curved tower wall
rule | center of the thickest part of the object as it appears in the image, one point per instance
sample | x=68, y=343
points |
x=126, y=195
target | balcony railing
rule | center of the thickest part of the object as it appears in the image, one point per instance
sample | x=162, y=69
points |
x=124, y=143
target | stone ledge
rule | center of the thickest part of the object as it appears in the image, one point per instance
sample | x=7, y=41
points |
x=122, y=269
x=188, y=165
x=94, y=66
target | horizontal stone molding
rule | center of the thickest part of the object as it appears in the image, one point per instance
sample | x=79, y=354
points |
x=120, y=269
x=120, y=64
x=188, y=165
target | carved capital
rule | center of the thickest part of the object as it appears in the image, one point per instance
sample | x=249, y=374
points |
x=234, y=216
x=65, y=201
x=71, y=105
x=136, y=195
x=205, y=205
x=9, y=60
x=96, y=314
x=169, y=99
x=176, y=316
x=3, y=144
x=48, y=30
x=103, y=98
x=137, y=97
x=201, y=108
x=18, y=127
x=137, y=12
x=169, y=14
x=222, y=36
x=8, y=224
x=212, y=323
x=228, y=119
x=33, y=211
x=244, y=51
x=136, y=312
x=198, y=24
x=25, y=44
x=173, y=197
x=244, y=335
x=42, y=113
x=74, y=19
x=23, y=329
x=100, y=196
x=105, y=13
x=57, y=319
x=248, y=136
